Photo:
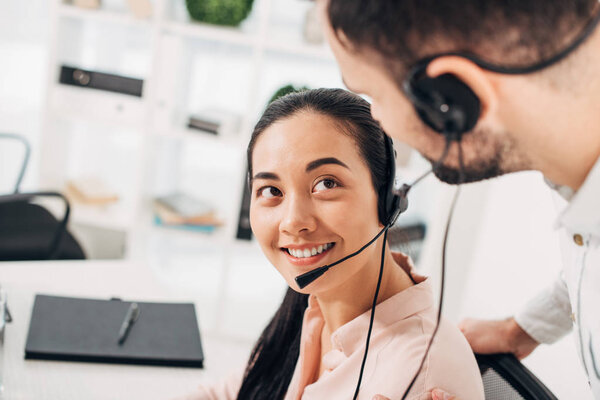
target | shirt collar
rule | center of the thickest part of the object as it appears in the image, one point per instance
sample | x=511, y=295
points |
x=413, y=300
x=582, y=214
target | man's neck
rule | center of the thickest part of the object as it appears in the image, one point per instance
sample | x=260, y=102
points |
x=571, y=164
x=555, y=119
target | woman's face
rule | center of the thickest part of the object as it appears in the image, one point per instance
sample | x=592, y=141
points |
x=313, y=200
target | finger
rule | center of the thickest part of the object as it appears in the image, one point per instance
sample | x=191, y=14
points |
x=438, y=394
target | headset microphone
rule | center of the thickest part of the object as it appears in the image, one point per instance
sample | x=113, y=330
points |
x=402, y=194
x=310, y=276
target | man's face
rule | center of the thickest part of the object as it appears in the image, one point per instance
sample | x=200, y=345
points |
x=486, y=152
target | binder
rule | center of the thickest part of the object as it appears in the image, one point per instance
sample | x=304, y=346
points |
x=80, y=329
x=101, y=81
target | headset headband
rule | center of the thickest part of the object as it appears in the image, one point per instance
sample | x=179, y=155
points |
x=586, y=32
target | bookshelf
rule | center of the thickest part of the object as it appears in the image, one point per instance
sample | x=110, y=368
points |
x=142, y=147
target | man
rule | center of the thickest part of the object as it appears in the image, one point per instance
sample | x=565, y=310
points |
x=535, y=67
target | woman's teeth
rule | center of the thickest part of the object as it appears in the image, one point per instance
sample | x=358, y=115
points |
x=303, y=253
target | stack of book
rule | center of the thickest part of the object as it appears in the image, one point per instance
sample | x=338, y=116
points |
x=90, y=191
x=216, y=121
x=180, y=210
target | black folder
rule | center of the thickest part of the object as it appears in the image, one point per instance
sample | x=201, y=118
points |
x=100, y=80
x=77, y=329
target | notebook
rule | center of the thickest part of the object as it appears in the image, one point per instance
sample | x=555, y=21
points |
x=80, y=329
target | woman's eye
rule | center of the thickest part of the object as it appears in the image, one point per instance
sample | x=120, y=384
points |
x=325, y=184
x=269, y=192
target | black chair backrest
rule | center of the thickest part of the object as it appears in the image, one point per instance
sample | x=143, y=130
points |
x=505, y=378
x=30, y=232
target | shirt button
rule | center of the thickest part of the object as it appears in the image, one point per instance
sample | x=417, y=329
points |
x=578, y=239
x=573, y=317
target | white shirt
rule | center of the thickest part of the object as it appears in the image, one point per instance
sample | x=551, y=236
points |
x=574, y=298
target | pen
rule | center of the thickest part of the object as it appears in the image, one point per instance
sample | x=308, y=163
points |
x=132, y=315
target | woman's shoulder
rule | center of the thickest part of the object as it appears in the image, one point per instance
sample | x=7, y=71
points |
x=450, y=364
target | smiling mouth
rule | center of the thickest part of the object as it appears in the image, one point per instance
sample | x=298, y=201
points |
x=309, y=252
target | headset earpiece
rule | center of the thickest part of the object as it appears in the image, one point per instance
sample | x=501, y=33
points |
x=391, y=205
x=444, y=103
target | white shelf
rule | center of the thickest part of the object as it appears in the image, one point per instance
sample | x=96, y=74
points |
x=97, y=106
x=175, y=55
x=100, y=15
x=197, y=135
x=318, y=52
x=215, y=33
x=115, y=216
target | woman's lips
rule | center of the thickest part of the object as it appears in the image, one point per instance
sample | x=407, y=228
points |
x=305, y=261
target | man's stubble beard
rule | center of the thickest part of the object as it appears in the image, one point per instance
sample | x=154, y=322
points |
x=485, y=156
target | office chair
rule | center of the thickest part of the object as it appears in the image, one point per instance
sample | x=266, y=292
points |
x=28, y=231
x=505, y=378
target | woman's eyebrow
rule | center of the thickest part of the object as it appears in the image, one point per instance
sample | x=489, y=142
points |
x=323, y=161
x=266, y=175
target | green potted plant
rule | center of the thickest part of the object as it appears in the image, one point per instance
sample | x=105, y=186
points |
x=219, y=12
x=287, y=89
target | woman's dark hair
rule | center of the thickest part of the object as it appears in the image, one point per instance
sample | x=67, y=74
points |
x=273, y=360
x=351, y=112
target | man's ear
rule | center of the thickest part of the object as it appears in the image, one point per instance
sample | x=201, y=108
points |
x=481, y=82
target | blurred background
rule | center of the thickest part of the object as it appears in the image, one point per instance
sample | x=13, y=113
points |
x=140, y=112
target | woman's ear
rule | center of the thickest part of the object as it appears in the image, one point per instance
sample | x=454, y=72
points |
x=481, y=82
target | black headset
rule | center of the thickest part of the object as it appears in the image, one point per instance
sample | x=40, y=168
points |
x=444, y=103
x=450, y=107
x=390, y=202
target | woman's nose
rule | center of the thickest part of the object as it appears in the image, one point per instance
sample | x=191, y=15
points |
x=298, y=216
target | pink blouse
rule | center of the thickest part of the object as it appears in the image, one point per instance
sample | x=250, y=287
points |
x=401, y=330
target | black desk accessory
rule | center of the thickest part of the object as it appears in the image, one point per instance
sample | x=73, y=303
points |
x=77, y=329
x=101, y=81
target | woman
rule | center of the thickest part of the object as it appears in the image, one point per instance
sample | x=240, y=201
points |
x=318, y=169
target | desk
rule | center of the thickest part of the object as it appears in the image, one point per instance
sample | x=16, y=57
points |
x=224, y=349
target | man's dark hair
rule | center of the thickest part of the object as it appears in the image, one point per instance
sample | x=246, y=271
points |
x=509, y=33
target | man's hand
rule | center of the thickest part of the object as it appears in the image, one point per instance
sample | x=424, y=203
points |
x=504, y=336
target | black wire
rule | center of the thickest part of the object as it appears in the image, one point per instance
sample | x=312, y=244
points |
x=443, y=268
x=433, y=167
x=364, y=360
x=461, y=164
x=442, y=278
x=359, y=250
x=385, y=230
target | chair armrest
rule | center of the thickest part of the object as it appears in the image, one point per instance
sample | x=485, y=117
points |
x=516, y=374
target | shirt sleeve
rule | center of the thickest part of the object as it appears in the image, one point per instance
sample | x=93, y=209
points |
x=547, y=317
x=226, y=389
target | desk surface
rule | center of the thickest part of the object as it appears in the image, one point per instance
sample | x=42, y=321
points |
x=226, y=346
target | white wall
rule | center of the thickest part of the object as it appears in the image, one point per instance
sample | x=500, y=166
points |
x=22, y=78
x=505, y=250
